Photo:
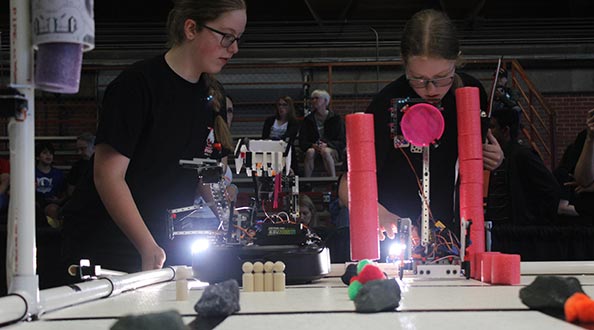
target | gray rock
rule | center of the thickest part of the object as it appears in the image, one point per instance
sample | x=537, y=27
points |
x=220, y=299
x=165, y=320
x=378, y=296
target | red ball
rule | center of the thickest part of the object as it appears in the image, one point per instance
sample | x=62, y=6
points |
x=369, y=273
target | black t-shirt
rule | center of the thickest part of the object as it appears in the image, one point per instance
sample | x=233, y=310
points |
x=398, y=189
x=77, y=170
x=155, y=118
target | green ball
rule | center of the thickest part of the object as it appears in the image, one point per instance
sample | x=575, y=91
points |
x=354, y=288
x=362, y=264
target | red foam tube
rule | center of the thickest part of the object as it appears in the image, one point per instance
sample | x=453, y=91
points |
x=468, y=172
x=359, y=127
x=505, y=269
x=361, y=156
x=364, y=223
x=473, y=195
x=468, y=111
x=468, y=100
x=470, y=147
x=362, y=183
x=471, y=124
x=486, y=265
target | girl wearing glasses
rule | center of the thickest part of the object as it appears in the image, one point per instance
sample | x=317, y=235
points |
x=283, y=125
x=154, y=114
x=430, y=52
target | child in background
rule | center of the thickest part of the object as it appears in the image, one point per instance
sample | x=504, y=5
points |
x=50, y=185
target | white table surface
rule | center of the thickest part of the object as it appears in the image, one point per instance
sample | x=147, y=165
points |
x=425, y=304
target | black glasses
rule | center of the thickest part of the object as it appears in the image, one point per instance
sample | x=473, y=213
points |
x=227, y=40
x=282, y=104
x=423, y=83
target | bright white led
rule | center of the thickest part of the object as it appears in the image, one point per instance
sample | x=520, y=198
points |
x=200, y=245
x=396, y=249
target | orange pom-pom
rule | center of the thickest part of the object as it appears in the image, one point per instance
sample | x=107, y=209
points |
x=369, y=273
x=579, y=308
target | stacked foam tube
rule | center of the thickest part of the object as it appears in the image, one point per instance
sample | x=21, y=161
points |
x=62, y=31
x=470, y=157
x=362, y=183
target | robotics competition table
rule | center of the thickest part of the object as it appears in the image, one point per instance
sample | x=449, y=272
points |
x=425, y=304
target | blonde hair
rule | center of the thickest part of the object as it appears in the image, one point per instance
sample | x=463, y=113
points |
x=305, y=201
x=221, y=129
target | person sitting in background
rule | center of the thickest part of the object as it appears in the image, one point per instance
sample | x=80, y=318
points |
x=307, y=212
x=229, y=106
x=505, y=97
x=564, y=175
x=522, y=190
x=283, y=125
x=576, y=171
x=85, y=146
x=322, y=134
x=50, y=185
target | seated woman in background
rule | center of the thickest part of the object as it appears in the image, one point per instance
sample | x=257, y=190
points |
x=307, y=212
x=283, y=125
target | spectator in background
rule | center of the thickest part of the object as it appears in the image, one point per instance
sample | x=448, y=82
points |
x=4, y=183
x=85, y=146
x=584, y=169
x=307, y=212
x=50, y=185
x=564, y=175
x=283, y=125
x=505, y=97
x=229, y=106
x=322, y=134
x=522, y=190
x=576, y=172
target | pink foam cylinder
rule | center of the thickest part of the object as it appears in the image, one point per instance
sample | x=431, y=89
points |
x=486, y=265
x=472, y=196
x=471, y=123
x=467, y=100
x=364, y=223
x=470, y=147
x=505, y=269
x=362, y=185
x=361, y=156
x=468, y=112
x=468, y=109
x=469, y=172
x=475, y=267
x=58, y=67
x=359, y=128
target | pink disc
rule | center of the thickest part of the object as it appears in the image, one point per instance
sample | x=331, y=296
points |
x=422, y=124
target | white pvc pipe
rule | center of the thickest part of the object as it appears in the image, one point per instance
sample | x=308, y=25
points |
x=557, y=267
x=13, y=308
x=64, y=296
x=134, y=281
x=21, y=261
